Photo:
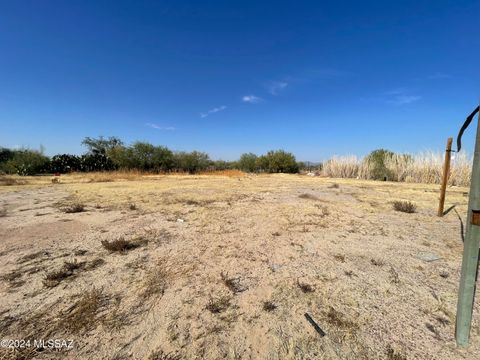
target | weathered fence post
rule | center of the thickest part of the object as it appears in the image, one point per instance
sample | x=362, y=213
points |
x=466, y=293
x=446, y=171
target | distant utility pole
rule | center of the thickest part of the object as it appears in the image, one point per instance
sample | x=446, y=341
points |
x=446, y=170
x=466, y=293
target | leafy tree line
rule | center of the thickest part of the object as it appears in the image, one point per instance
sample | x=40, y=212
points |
x=104, y=154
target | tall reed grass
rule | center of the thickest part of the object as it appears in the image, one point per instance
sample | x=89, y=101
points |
x=425, y=167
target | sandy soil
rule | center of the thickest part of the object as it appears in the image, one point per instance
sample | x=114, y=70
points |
x=226, y=267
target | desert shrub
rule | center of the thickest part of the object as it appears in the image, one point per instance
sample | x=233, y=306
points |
x=278, y=161
x=376, y=162
x=404, y=206
x=74, y=208
x=145, y=156
x=220, y=165
x=96, y=162
x=24, y=162
x=119, y=245
x=191, y=162
x=65, y=163
x=5, y=154
x=248, y=162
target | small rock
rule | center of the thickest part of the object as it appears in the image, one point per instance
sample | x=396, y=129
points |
x=428, y=257
x=180, y=220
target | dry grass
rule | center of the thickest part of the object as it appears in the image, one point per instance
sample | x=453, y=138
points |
x=69, y=269
x=254, y=226
x=14, y=278
x=119, y=245
x=229, y=173
x=74, y=208
x=233, y=283
x=161, y=355
x=95, y=263
x=339, y=320
x=218, y=305
x=155, y=283
x=53, y=278
x=308, y=196
x=11, y=181
x=83, y=315
x=269, y=306
x=404, y=206
x=425, y=167
x=305, y=287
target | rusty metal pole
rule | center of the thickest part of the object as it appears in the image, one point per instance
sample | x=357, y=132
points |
x=466, y=292
x=446, y=171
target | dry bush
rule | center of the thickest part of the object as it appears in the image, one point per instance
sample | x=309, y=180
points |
x=404, y=206
x=308, y=196
x=161, y=355
x=73, y=265
x=306, y=288
x=13, y=278
x=155, y=284
x=377, y=262
x=119, y=245
x=91, y=265
x=3, y=212
x=74, y=208
x=233, y=283
x=218, y=305
x=338, y=319
x=83, y=315
x=32, y=256
x=53, y=278
x=392, y=354
x=132, y=206
x=269, y=306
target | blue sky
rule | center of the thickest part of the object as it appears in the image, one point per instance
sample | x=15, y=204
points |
x=313, y=77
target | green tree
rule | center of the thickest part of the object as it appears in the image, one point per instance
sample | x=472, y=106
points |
x=278, y=161
x=26, y=162
x=101, y=145
x=147, y=157
x=248, y=162
x=376, y=164
x=65, y=163
x=192, y=162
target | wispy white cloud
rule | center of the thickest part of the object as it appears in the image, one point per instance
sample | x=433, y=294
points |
x=252, y=99
x=400, y=96
x=275, y=87
x=158, y=127
x=403, y=99
x=213, y=111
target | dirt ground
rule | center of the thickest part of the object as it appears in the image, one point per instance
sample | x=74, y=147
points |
x=217, y=267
